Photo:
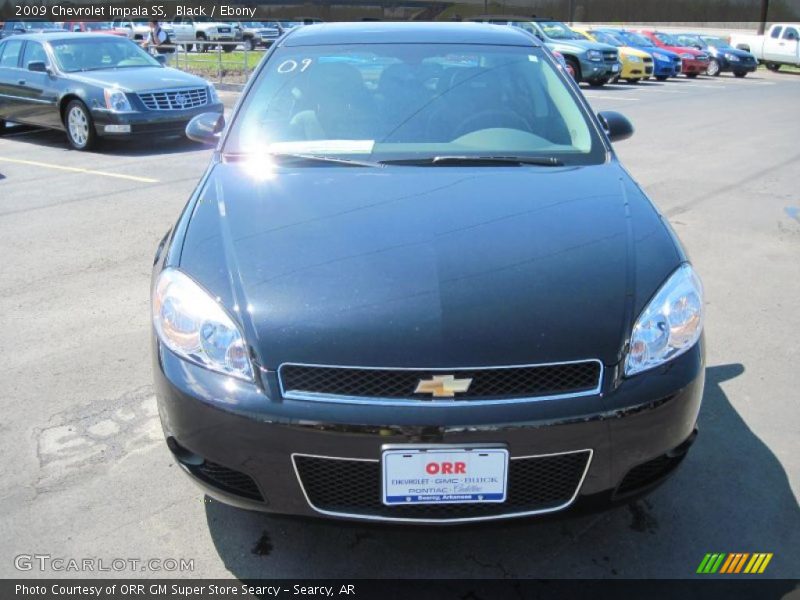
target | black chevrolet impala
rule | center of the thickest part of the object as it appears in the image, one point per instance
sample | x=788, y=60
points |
x=416, y=285
x=96, y=85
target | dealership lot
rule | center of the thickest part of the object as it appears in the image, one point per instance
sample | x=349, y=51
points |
x=86, y=473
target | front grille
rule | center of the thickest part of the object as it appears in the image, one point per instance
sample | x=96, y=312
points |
x=228, y=480
x=505, y=383
x=647, y=60
x=353, y=488
x=648, y=473
x=609, y=57
x=174, y=99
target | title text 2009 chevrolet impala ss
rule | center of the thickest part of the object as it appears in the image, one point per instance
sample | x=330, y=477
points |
x=416, y=285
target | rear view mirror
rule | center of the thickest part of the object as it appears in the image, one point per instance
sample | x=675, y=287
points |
x=206, y=128
x=616, y=125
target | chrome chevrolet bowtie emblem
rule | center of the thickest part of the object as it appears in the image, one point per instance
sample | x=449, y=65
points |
x=442, y=386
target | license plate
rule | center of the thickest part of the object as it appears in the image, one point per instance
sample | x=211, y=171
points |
x=615, y=68
x=224, y=30
x=444, y=475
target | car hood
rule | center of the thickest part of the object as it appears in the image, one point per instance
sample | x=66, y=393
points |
x=139, y=79
x=714, y=51
x=429, y=267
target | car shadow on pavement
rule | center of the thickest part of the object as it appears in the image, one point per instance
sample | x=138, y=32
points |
x=730, y=495
x=144, y=146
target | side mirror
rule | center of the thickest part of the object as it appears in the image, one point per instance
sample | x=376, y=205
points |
x=38, y=66
x=161, y=59
x=616, y=125
x=206, y=128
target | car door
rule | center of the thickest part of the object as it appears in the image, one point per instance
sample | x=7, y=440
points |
x=38, y=91
x=10, y=75
x=772, y=43
x=789, y=46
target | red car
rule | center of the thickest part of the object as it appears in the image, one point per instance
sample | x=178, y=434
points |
x=95, y=27
x=693, y=61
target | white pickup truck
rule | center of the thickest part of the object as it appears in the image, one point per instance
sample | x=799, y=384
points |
x=780, y=46
x=186, y=29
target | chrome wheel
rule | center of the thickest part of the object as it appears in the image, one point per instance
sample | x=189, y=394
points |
x=78, y=124
x=713, y=68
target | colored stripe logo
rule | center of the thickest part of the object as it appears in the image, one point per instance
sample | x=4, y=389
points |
x=734, y=562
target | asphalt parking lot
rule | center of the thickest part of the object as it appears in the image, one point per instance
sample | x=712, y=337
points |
x=86, y=473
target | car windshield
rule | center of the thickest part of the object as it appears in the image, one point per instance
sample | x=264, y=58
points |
x=690, y=40
x=605, y=38
x=667, y=39
x=634, y=39
x=716, y=42
x=101, y=52
x=556, y=30
x=414, y=101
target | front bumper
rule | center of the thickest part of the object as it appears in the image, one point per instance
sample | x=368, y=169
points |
x=148, y=122
x=740, y=66
x=596, y=70
x=219, y=428
x=691, y=66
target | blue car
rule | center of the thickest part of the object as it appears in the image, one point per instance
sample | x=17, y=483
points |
x=666, y=64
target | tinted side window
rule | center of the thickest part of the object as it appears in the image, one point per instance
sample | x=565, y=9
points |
x=776, y=32
x=33, y=52
x=10, y=55
x=790, y=34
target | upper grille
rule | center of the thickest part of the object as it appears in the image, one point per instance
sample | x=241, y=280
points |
x=609, y=56
x=175, y=99
x=702, y=57
x=353, y=488
x=498, y=384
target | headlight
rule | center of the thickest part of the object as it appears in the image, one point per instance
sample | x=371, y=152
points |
x=686, y=55
x=634, y=59
x=670, y=324
x=594, y=55
x=196, y=327
x=659, y=56
x=116, y=100
x=213, y=97
x=731, y=57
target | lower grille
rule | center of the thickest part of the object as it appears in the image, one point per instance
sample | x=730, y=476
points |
x=504, y=383
x=174, y=99
x=353, y=488
x=648, y=473
x=228, y=480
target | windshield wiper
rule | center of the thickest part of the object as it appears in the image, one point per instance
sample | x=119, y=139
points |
x=478, y=161
x=310, y=158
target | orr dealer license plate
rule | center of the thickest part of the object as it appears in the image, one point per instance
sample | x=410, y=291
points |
x=444, y=475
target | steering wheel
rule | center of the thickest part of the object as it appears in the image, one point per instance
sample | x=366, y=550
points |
x=493, y=117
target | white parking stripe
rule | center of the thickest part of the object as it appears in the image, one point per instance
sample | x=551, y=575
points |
x=607, y=97
x=44, y=165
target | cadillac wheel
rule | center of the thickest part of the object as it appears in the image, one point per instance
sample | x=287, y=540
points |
x=80, y=127
x=403, y=293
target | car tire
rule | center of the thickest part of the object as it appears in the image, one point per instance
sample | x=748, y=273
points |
x=740, y=74
x=249, y=44
x=598, y=82
x=79, y=124
x=713, y=68
x=201, y=47
x=661, y=77
x=2, y=126
x=575, y=66
x=692, y=75
x=773, y=66
x=633, y=81
x=228, y=49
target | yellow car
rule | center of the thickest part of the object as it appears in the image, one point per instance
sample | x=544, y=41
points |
x=636, y=64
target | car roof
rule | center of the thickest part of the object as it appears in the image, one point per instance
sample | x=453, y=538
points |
x=378, y=32
x=60, y=35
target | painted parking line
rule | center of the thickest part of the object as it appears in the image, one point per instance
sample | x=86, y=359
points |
x=34, y=163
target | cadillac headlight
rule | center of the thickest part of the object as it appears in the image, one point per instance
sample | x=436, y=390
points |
x=196, y=327
x=670, y=324
x=116, y=100
x=213, y=97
